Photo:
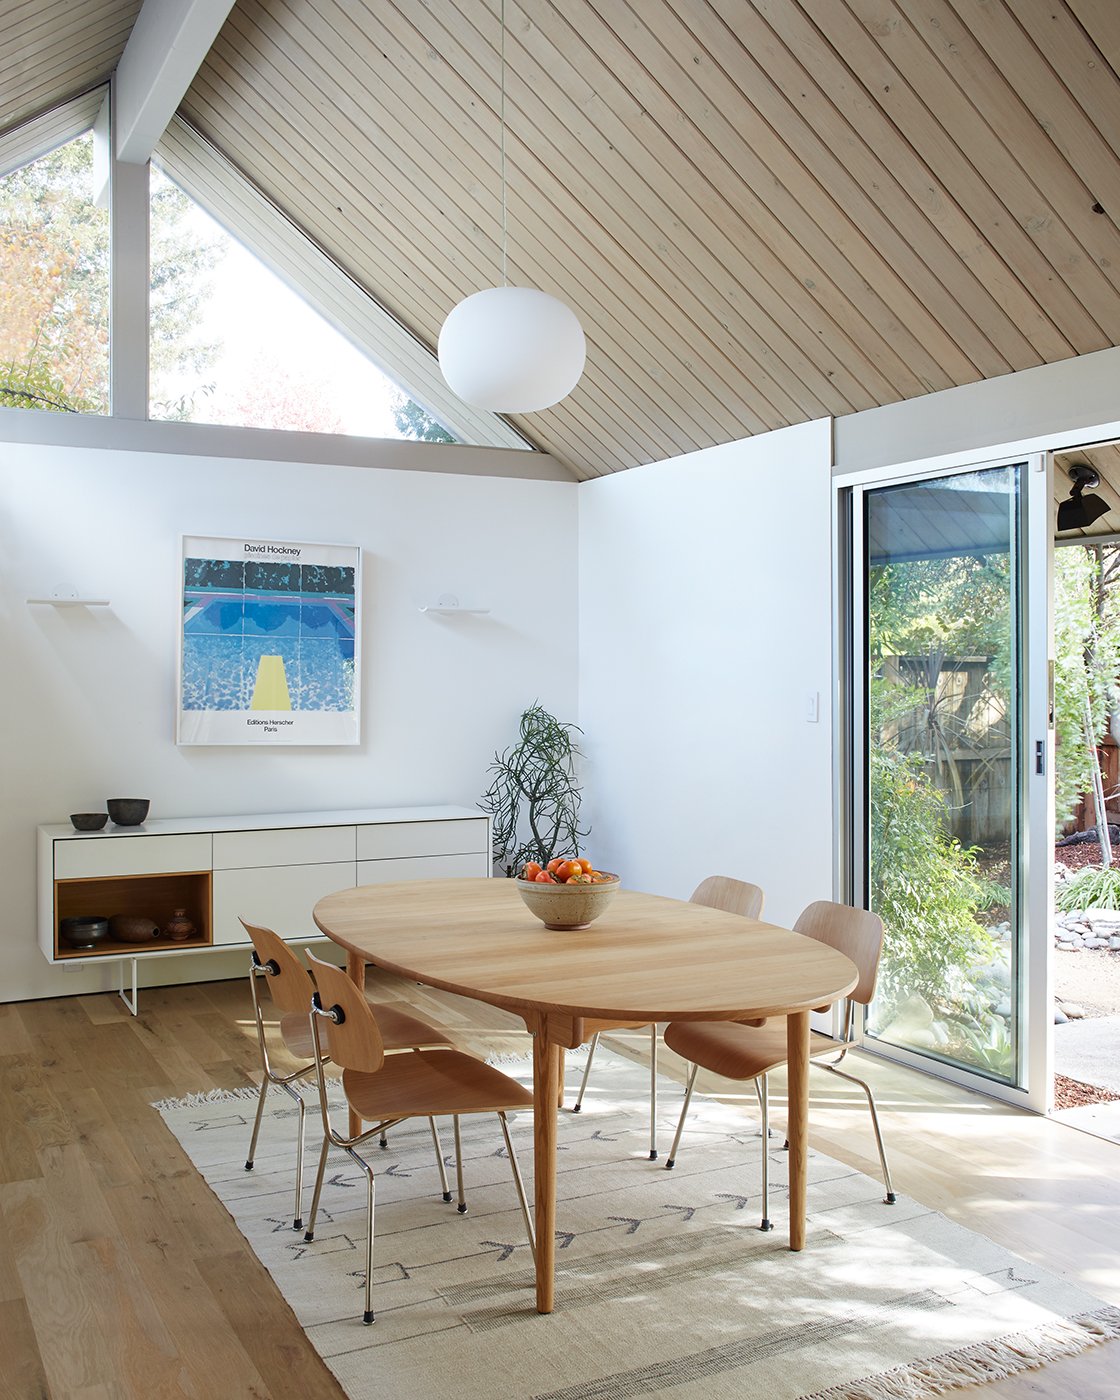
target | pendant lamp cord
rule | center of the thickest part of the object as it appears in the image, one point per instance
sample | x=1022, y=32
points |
x=502, y=126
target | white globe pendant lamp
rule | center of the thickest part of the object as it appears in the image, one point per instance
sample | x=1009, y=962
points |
x=511, y=349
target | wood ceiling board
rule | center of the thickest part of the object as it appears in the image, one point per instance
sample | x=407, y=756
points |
x=1059, y=317
x=978, y=121
x=889, y=171
x=54, y=49
x=1098, y=19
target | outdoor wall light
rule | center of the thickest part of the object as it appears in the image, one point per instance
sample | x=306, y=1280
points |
x=1080, y=511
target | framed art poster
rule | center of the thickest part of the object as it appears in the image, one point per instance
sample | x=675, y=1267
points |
x=269, y=642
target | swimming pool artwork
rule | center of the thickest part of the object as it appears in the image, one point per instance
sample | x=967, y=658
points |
x=269, y=642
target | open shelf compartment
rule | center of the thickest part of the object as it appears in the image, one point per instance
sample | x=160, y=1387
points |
x=154, y=897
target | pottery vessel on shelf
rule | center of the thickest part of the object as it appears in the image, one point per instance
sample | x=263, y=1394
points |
x=179, y=928
x=128, y=811
x=133, y=928
x=83, y=930
x=88, y=821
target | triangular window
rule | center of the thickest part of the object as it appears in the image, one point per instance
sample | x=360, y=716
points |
x=232, y=343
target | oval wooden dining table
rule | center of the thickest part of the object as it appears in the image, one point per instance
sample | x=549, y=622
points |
x=646, y=958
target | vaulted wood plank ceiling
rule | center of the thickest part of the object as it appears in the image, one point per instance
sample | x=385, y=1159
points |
x=763, y=211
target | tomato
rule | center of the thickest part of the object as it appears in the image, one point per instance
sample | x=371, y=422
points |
x=543, y=878
x=531, y=871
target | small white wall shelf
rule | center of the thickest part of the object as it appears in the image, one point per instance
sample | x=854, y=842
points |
x=70, y=600
x=447, y=603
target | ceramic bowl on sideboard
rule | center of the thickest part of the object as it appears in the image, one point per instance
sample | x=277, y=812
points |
x=567, y=906
x=133, y=928
x=88, y=821
x=128, y=811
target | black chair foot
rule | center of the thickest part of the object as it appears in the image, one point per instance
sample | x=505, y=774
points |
x=384, y=1144
x=766, y=1225
x=576, y=1107
x=297, y=1224
x=447, y=1195
x=653, y=1154
x=249, y=1165
x=890, y=1198
x=462, y=1207
x=367, y=1318
x=670, y=1163
x=309, y=1236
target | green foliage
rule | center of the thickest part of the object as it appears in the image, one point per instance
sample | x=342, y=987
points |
x=1086, y=662
x=412, y=422
x=1089, y=889
x=535, y=785
x=925, y=888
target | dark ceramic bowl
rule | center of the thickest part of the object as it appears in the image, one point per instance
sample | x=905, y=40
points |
x=83, y=931
x=128, y=811
x=88, y=821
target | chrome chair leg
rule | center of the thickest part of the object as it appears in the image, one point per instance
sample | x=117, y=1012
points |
x=671, y=1159
x=586, y=1071
x=297, y=1222
x=890, y=1198
x=653, y=1092
x=439, y=1160
x=462, y=1206
x=763, y=1090
x=256, y=1126
x=519, y=1183
x=310, y=1232
x=367, y=1316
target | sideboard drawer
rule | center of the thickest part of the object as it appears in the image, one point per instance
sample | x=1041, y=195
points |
x=421, y=839
x=381, y=872
x=308, y=845
x=280, y=897
x=131, y=855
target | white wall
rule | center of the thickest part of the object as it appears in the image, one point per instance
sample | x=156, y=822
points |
x=705, y=622
x=87, y=699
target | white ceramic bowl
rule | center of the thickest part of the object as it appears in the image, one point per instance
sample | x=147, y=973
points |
x=567, y=906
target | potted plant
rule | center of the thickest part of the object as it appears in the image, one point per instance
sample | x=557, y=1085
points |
x=534, y=799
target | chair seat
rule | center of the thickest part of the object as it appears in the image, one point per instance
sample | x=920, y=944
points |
x=738, y=1051
x=400, y=1030
x=431, y=1082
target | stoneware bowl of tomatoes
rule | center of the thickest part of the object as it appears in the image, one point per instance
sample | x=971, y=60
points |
x=567, y=893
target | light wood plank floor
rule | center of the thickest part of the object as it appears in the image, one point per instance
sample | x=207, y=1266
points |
x=122, y=1278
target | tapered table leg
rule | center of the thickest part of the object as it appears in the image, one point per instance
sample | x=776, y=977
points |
x=797, y=1050
x=356, y=971
x=546, y=1061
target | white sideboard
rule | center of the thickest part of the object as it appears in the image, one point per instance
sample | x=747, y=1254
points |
x=269, y=869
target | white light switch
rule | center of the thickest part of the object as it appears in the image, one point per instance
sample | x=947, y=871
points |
x=812, y=707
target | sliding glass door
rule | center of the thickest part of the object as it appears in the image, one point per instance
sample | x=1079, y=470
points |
x=950, y=765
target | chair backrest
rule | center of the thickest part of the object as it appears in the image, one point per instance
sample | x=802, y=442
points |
x=289, y=985
x=732, y=896
x=854, y=932
x=355, y=1041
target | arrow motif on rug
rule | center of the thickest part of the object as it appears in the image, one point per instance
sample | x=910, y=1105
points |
x=687, y=1212
x=628, y=1220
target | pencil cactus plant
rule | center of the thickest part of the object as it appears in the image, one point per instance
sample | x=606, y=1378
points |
x=534, y=798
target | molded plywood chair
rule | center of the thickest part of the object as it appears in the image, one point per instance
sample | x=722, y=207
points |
x=291, y=989
x=748, y=1051
x=717, y=892
x=385, y=1090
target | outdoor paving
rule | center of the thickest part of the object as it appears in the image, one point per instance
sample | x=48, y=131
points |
x=1087, y=1051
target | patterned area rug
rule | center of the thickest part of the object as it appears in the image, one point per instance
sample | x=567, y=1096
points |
x=665, y=1287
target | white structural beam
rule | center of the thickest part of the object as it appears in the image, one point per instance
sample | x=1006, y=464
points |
x=165, y=50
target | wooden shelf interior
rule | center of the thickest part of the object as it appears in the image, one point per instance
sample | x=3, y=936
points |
x=154, y=897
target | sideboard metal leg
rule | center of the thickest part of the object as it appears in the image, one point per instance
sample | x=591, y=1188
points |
x=132, y=1005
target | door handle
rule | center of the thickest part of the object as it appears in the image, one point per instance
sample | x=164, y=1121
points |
x=1040, y=756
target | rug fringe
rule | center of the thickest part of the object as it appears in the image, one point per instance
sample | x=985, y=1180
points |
x=990, y=1361
x=243, y=1091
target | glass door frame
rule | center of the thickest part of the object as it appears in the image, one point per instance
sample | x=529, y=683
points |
x=1036, y=815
